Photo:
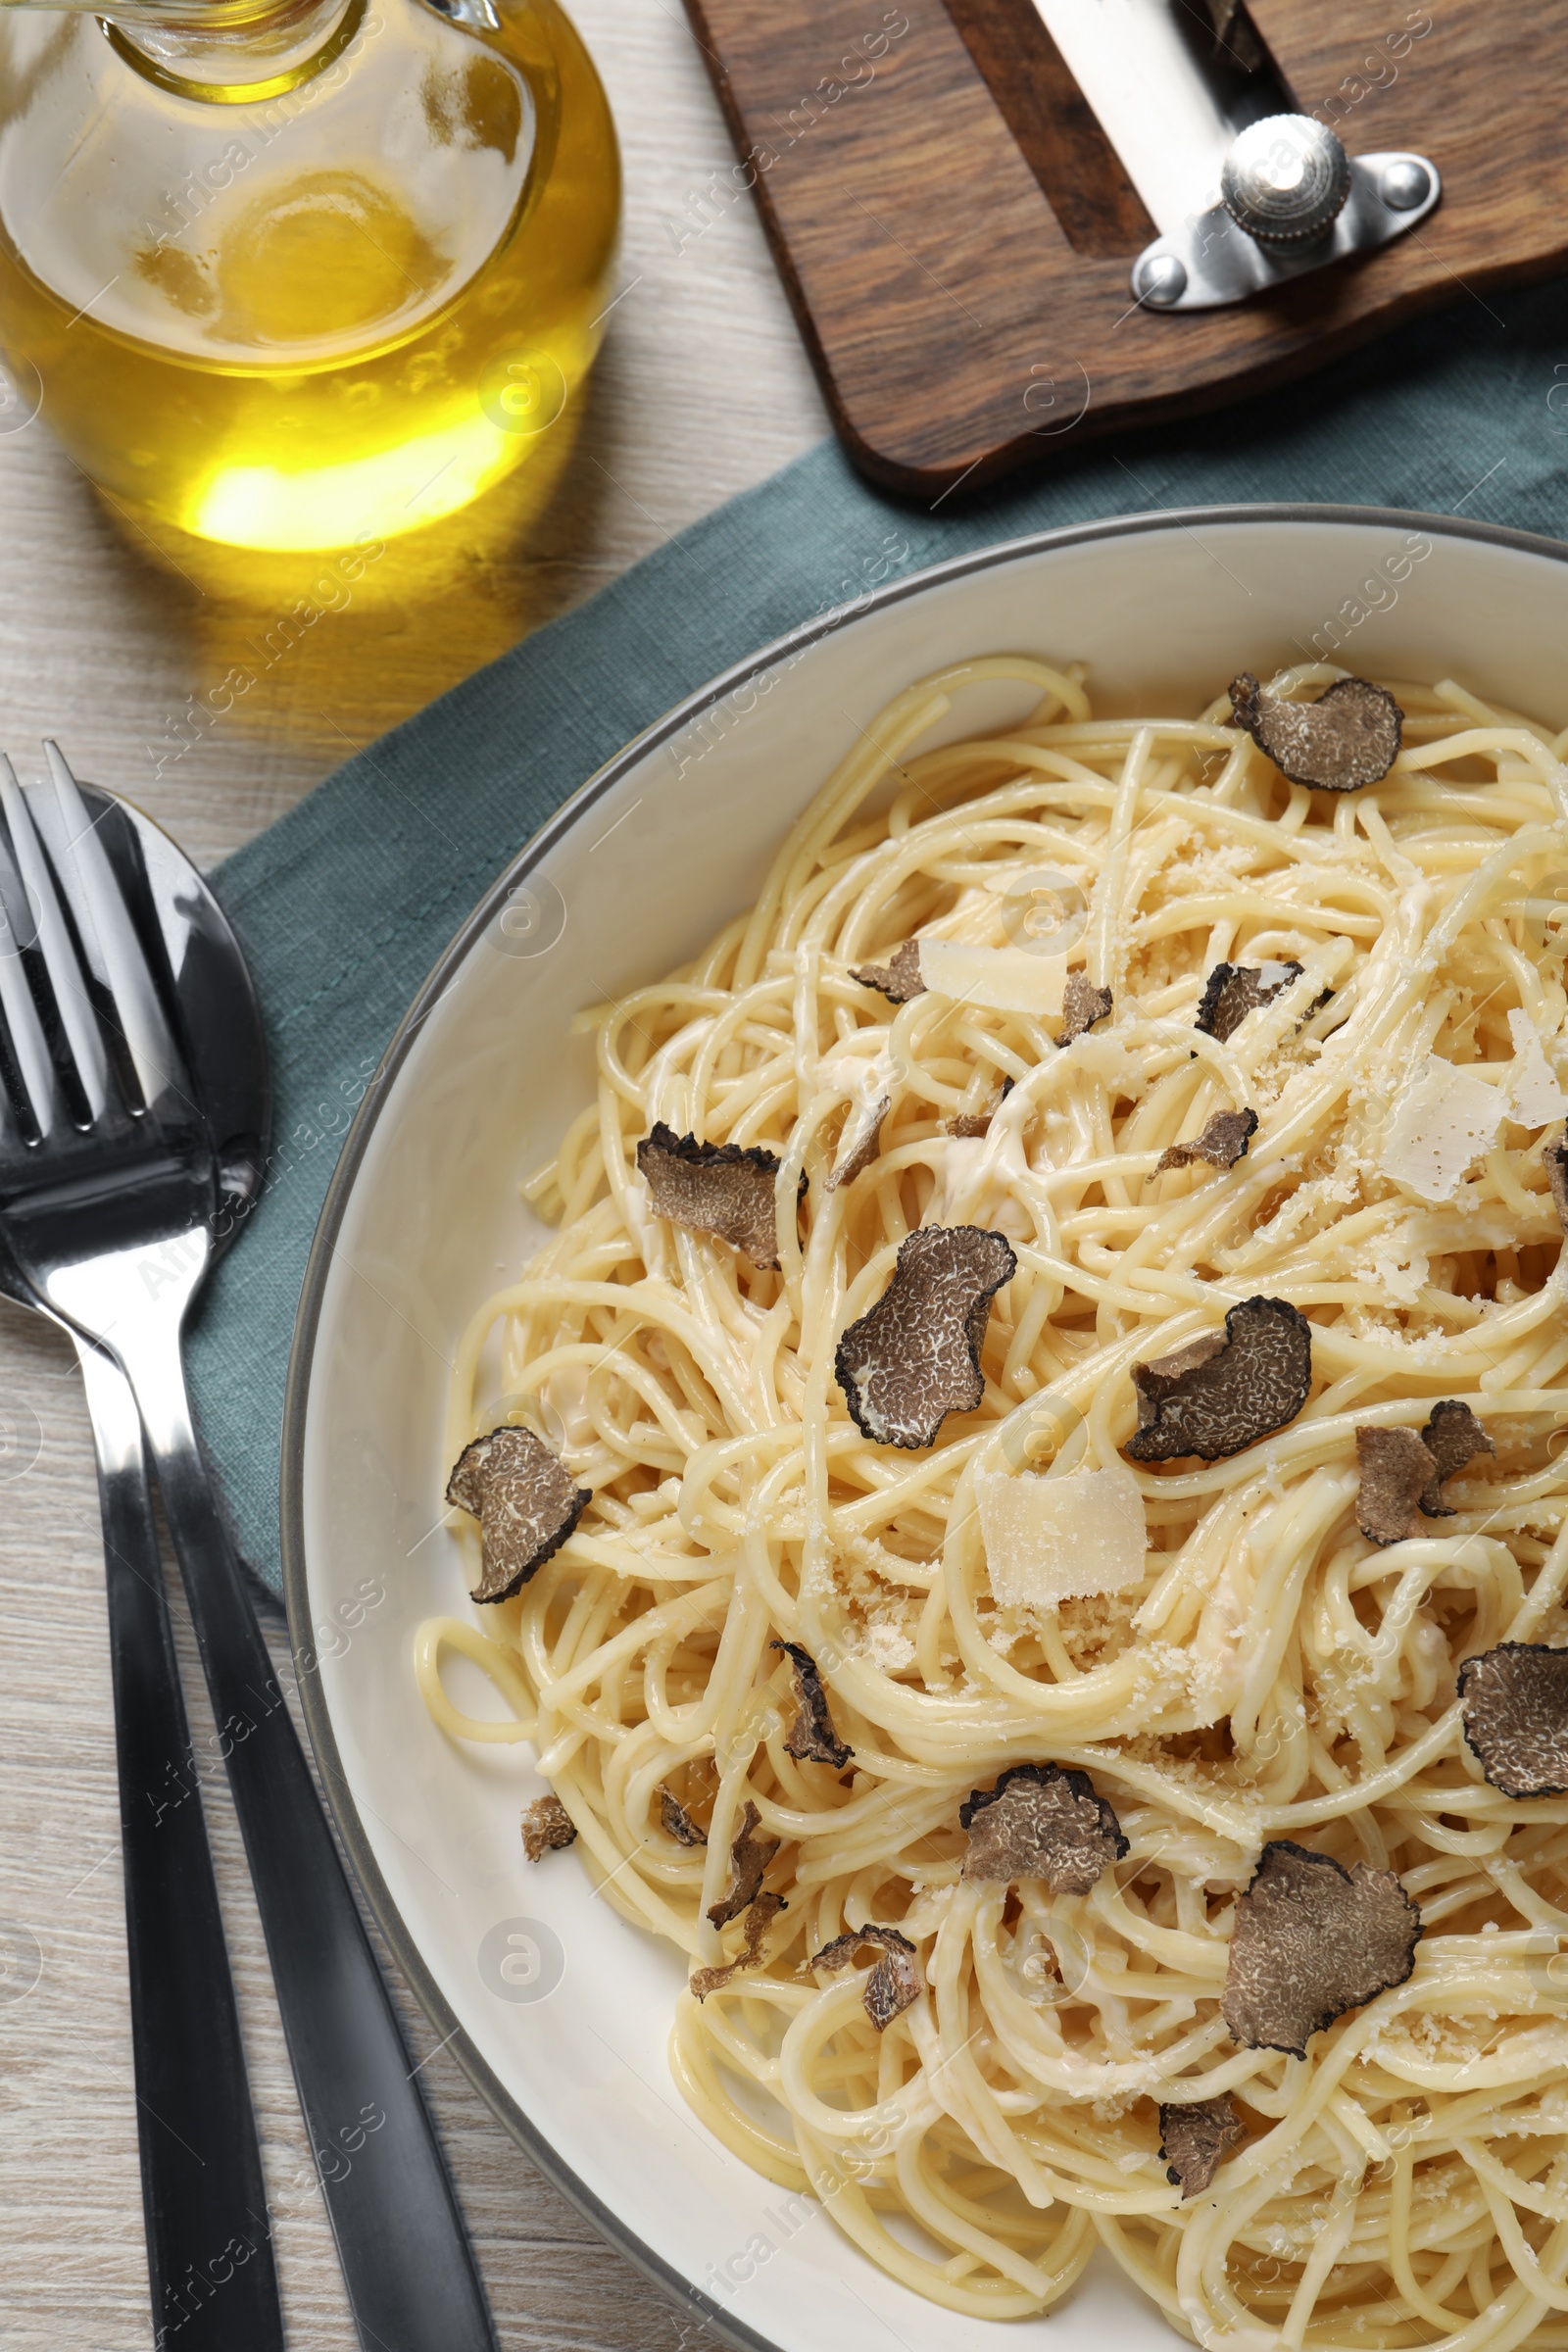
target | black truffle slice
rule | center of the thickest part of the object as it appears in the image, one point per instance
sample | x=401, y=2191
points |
x=1402, y=1474
x=899, y=979
x=546, y=1827
x=1222, y=1144
x=894, y=1983
x=722, y=1189
x=1453, y=1438
x=761, y=1917
x=749, y=1856
x=1514, y=1701
x=676, y=1822
x=1041, y=1822
x=524, y=1501
x=1225, y=1391
x=1083, y=1004
x=1556, y=1156
x=1350, y=736
x=1313, y=1939
x=1234, y=990
x=1395, y=1472
x=914, y=1357
x=859, y=1143
x=1195, y=2142
x=810, y=1738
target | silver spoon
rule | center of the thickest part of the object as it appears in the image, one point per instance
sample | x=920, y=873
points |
x=203, y=2188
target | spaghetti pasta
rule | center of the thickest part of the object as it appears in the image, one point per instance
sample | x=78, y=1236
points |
x=1272, y=1673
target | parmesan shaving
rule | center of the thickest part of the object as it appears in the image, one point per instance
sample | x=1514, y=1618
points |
x=1060, y=1538
x=1002, y=979
x=1447, y=1120
x=1535, y=1099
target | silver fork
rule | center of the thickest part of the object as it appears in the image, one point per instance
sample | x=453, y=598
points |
x=105, y=1206
x=203, y=2185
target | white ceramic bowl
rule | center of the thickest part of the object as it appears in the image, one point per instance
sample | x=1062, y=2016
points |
x=558, y=2010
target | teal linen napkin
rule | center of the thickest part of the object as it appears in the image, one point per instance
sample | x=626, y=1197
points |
x=345, y=903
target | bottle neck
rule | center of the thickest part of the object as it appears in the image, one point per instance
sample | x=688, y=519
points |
x=238, y=50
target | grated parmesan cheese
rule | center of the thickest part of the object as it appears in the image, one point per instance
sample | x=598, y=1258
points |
x=888, y=1646
x=1535, y=1099
x=1060, y=1538
x=1398, y=1267
x=1442, y=1122
x=1003, y=979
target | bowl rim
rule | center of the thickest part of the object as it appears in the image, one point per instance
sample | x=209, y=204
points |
x=318, y=1718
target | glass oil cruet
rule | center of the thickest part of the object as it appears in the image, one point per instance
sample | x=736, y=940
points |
x=301, y=274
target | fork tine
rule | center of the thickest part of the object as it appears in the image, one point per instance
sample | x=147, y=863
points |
x=19, y=1013
x=96, y=901
x=66, y=979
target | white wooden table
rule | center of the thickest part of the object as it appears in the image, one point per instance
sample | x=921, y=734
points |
x=701, y=390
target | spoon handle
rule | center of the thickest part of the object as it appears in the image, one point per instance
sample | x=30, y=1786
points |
x=407, y=2263
x=209, y=2245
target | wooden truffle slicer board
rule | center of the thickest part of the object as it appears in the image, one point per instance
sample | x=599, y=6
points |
x=955, y=231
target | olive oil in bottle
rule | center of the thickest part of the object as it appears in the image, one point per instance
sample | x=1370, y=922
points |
x=301, y=275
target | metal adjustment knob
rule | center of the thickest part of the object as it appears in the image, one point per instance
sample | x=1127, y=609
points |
x=1285, y=180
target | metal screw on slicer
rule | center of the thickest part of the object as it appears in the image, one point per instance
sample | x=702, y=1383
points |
x=20, y=1960
x=1405, y=183
x=522, y=1960
x=21, y=1441
x=1045, y=913
x=524, y=394
x=529, y=922
x=1159, y=279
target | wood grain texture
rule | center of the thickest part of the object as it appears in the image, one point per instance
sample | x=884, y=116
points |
x=703, y=390
x=1055, y=129
x=957, y=331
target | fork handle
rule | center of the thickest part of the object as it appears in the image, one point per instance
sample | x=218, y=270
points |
x=409, y=2272
x=209, y=2241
